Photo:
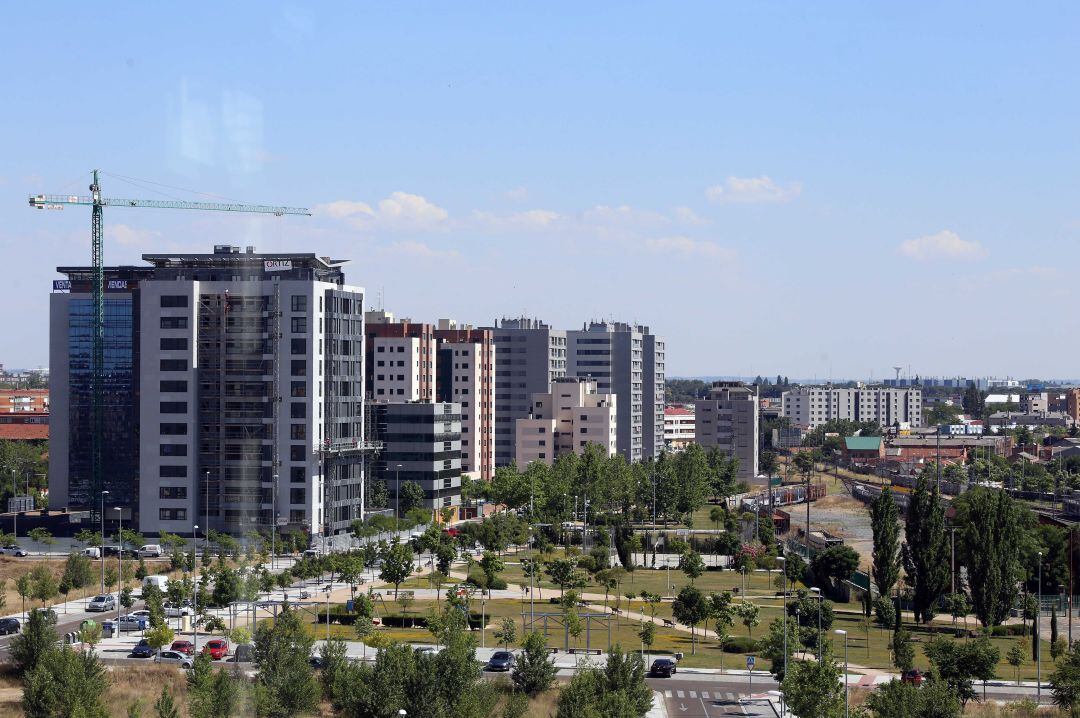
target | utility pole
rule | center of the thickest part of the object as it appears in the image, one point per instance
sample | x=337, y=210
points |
x=103, y=494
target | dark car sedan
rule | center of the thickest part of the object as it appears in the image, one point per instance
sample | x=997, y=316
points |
x=663, y=668
x=142, y=649
x=8, y=625
x=500, y=661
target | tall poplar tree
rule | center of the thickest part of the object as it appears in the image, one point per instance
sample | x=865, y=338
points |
x=992, y=533
x=926, y=549
x=885, y=522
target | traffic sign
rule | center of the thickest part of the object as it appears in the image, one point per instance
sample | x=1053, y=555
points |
x=749, y=663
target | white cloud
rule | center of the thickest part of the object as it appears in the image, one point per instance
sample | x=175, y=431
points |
x=685, y=215
x=690, y=247
x=529, y=219
x=752, y=190
x=623, y=214
x=401, y=210
x=130, y=236
x=420, y=250
x=517, y=194
x=946, y=244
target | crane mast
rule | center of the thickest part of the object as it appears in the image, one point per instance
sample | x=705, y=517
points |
x=97, y=358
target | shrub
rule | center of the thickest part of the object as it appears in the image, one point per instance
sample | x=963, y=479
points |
x=741, y=644
x=1011, y=629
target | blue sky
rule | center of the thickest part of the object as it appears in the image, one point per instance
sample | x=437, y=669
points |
x=774, y=187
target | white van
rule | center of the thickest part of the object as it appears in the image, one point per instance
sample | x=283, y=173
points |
x=92, y=552
x=160, y=581
x=150, y=550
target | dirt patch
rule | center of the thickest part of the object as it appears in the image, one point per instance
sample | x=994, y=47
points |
x=840, y=501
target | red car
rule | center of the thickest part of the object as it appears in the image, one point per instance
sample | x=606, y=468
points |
x=914, y=677
x=185, y=647
x=452, y=532
x=218, y=648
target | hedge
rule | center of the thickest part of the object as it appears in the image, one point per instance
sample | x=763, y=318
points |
x=741, y=644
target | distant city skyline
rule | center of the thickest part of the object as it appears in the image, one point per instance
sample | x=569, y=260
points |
x=832, y=189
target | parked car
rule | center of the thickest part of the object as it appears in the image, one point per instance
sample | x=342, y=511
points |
x=133, y=623
x=663, y=668
x=150, y=550
x=500, y=661
x=244, y=653
x=173, y=610
x=914, y=677
x=175, y=658
x=104, y=602
x=9, y=625
x=218, y=648
x=162, y=582
x=183, y=647
x=92, y=552
x=141, y=613
x=142, y=649
x=13, y=550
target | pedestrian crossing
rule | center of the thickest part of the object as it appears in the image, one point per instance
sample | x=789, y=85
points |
x=702, y=695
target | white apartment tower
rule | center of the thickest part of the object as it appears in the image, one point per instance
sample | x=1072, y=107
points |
x=811, y=406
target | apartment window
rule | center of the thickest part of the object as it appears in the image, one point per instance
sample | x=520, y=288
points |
x=298, y=474
x=298, y=410
x=172, y=450
x=299, y=346
x=297, y=516
x=173, y=430
x=172, y=301
x=297, y=496
x=297, y=452
x=584, y=430
x=380, y=349
x=174, y=322
x=299, y=367
x=379, y=377
x=172, y=514
x=172, y=472
x=173, y=344
x=174, y=365
x=173, y=386
x=173, y=407
x=298, y=431
x=298, y=325
x=172, y=492
x=298, y=303
x=298, y=388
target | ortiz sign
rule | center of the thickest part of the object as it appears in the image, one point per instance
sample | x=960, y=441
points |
x=277, y=265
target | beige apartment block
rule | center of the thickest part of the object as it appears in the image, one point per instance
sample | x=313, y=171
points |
x=567, y=419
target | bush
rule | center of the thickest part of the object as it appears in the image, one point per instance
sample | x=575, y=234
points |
x=587, y=563
x=1012, y=629
x=741, y=644
x=497, y=584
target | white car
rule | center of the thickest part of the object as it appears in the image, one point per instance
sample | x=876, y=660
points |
x=174, y=611
x=105, y=602
x=176, y=658
x=142, y=614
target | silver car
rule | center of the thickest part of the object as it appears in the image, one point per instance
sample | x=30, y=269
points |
x=133, y=623
x=106, y=602
x=175, y=658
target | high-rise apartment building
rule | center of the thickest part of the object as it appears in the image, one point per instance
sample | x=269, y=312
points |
x=628, y=361
x=400, y=359
x=566, y=420
x=811, y=406
x=421, y=443
x=728, y=420
x=233, y=392
x=465, y=375
x=529, y=355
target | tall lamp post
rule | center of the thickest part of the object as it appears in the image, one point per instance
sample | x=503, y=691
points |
x=1038, y=640
x=328, y=587
x=397, y=497
x=817, y=593
x=15, y=514
x=841, y=632
x=195, y=598
x=103, y=495
x=782, y=563
x=120, y=554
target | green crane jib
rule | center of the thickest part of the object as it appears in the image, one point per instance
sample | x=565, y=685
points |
x=97, y=364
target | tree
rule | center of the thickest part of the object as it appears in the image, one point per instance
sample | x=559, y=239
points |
x=690, y=608
x=692, y=565
x=618, y=690
x=749, y=614
x=38, y=636
x=647, y=634
x=65, y=683
x=1015, y=658
x=897, y=699
x=562, y=573
x=926, y=550
x=507, y=632
x=159, y=636
x=165, y=706
x=332, y=661
x=24, y=586
x=885, y=523
x=813, y=688
x=397, y=566
x=90, y=633
x=835, y=564
x=412, y=496
x=534, y=672
x=41, y=535
x=992, y=532
x=773, y=645
x=155, y=604
x=1065, y=681
x=78, y=571
x=903, y=651
x=44, y=586
x=958, y=662
x=286, y=684
x=111, y=577
x=491, y=565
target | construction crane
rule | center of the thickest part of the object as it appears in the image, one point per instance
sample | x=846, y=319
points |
x=97, y=362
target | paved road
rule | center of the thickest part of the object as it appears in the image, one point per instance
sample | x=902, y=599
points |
x=692, y=697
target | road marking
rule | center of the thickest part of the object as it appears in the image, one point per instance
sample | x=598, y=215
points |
x=680, y=694
x=693, y=694
x=705, y=695
x=667, y=694
x=705, y=708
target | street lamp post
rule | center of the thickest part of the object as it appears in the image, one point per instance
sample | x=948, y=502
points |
x=843, y=633
x=195, y=597
x=397, y=497
x=817, y=592
x=1038, y=640
x=103, y=495
x=15, y=515
x=782, y=563
x=120, y=555
x=328, y=587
